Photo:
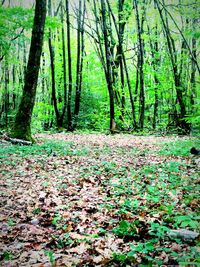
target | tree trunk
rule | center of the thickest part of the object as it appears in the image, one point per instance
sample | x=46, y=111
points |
x=193, y=69
x=6, y=93
x=155, y=65
x=14, y=88
x=22, y=125
x=52, y=60
x=140, y=64
x=64, y=68
x=108, y=67
x=80, y=52
x=69, y=114
x=177, y=79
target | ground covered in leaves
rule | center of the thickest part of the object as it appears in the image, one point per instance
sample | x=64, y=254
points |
x=99, y=200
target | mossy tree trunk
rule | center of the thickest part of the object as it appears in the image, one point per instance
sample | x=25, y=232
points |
x=22, y=125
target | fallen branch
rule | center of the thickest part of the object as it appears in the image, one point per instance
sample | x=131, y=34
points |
x=16, y=141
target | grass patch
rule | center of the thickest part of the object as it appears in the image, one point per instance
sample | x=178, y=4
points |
x=48, y=148
x=179, y=148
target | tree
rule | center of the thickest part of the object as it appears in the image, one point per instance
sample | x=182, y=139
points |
x=80, y=54
x=176, y=71
x=108, y=66
x=22, y=125
x=69, y=112
x=139, y=63
x=140, y=24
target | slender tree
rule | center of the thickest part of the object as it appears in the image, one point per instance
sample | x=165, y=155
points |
x=69, y=112
x=80, y=55
x=176, y=71
x=22, y=125
x=108, y=66
x=140, y=63
x=52, y=60
x=64, y=67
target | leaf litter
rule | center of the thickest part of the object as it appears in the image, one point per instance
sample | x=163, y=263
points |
x=97, y=200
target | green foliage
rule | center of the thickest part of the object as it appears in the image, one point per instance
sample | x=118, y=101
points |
x=61, y=242
x=48, y=148
x=11, y=222
x=179, y=147
x=194, y=118
x=52, y=23
x=51, y=256
x=158, y=230
x=126, y=229
x=36, y=211
x=129, y=206
x=190, y=220
x=12, y=21
x=7, y=255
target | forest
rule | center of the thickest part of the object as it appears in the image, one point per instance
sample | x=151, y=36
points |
x=105, y=65
x=99, y=133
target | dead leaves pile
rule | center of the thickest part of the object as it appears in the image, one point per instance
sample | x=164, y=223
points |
x=60, y=210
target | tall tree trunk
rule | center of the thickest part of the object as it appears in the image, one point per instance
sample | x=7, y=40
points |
x=155, y=64
x=80, y=54
x=52, y=60
x=177, y=79
x=108, y=67
x=140, y=64
x=69, y=113
x=64, y=67
x=14, y=87
x=193, y=68
x=22, y=125
x=6, y=94
x=120, y=51
x=120, y=60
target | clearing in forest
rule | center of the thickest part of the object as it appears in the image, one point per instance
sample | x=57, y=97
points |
x=99, y=200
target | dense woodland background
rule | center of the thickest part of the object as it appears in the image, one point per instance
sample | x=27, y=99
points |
x=128, y=65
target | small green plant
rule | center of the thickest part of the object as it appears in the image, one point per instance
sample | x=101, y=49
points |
x=36, y=211
x=11, y=222
x=7, y=255
x=158, y=230
x=178, y=148
x=122, y=259
x=126, y=229
x=144, y=248
x=63, y=241
x=56, y=219
x=190, y=221
x=50, y=254
x=129, y=206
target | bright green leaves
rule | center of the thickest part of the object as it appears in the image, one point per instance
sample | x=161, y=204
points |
x=126, y=229
x=13, y=21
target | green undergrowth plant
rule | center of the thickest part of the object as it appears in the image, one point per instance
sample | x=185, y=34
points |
x=46, y=148
x=7, y=255
x=126, y=229
x=179, y=147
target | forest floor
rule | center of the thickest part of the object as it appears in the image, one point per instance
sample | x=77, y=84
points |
x=99, y=200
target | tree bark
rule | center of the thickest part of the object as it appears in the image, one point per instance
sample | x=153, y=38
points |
x=22, y=125
x=155, y=65
x=177, y=79
x=52, y=61
x=64, y=68
x=69, y=113
x=140, y=64
x=108, y=67
x=193, y=69
x=79, y=63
